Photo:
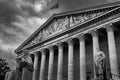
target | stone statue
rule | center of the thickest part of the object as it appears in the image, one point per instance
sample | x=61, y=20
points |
x=100, y=65
x=27, y=66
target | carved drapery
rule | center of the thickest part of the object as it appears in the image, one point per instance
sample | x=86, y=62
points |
x=48, y=31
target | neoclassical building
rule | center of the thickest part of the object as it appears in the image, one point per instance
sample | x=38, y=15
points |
x=64, y=47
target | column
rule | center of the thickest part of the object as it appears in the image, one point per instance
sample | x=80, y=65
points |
x=60, y=62
x=112, y=51
x=35, y=66
x=70, y=59
x=82, y=57
x=95, y=47
x=42, y=69
x=11, y=75
x=7, y=75
x=51, y=63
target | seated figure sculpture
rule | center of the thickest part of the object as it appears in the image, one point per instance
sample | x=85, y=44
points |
x=27, y=66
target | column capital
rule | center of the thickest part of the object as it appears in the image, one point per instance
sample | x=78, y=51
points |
x=59, y=44
x=36, y=53
x=81, y=37
x=69, y=41
x=51, y=47
x=109, y=27
x=43, y=51
x=94, y=32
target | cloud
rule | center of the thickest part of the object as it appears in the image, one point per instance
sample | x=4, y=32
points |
x=29, y=25
x=112, y=1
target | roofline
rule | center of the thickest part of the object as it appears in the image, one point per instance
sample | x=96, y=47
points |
x=68, y=13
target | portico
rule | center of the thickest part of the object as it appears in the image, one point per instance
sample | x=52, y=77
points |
x=68, y=52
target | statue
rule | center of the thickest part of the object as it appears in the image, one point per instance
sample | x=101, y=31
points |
x=100, y=65
x=27, y=66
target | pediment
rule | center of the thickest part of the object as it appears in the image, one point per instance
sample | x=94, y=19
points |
x=61, y=22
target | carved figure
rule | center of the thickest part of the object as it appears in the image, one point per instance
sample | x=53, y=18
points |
x=100, y=65
x=28, y=66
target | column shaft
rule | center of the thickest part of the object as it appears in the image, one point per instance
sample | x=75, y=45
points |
x=11, y=76
x=95, y=47
x=60, y=62
x=70, y=59
x=112, y=51
x=95, y=42
x=35, y=66
x=51, y=64
x=42, y=69
x=82, y=58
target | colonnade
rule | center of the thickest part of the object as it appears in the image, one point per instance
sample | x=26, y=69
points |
x=94, y=33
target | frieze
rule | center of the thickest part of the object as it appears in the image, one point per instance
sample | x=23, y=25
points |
x=62, y=24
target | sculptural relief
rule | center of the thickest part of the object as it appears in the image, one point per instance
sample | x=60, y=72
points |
x=48, y=31
x=62, y=24
x=51, y=29
x=78, y=19
x=55, y=25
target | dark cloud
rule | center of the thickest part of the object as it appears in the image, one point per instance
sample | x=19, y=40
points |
x=8, y=11
x=30, y=11
x=9, y=33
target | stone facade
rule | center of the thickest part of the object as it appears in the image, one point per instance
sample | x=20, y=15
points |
x=65, y=46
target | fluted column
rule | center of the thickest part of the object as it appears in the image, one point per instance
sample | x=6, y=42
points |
x=11, y=76
x=42, y=69
x=35, y=66
x=7, y=75
x=95, y=46
x=82, y=57
x=70, y=59
x=60, y=62
x=51, y=63
x=112, y=51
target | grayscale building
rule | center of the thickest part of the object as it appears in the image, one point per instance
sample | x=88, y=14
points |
x=66, y=45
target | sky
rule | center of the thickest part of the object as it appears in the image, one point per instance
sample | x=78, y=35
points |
x=20, y=18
